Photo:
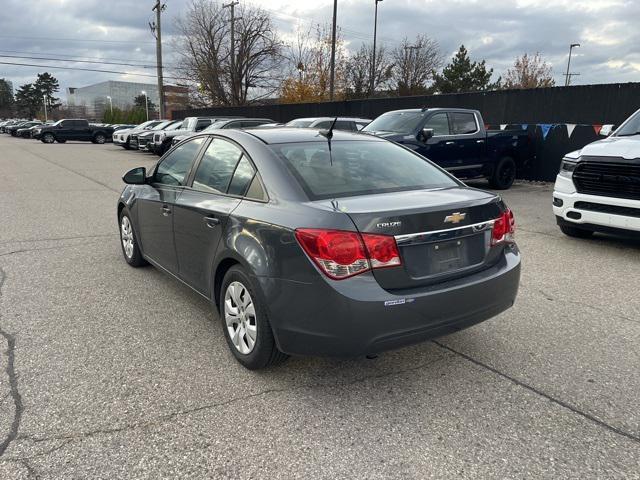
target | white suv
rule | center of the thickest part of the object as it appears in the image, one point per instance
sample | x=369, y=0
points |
x=598, y=187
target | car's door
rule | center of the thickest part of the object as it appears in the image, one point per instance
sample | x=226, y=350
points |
x=439, y=148
x=80, y=130
x=63, y=130
x=469, y=144
x=202, y=210
x=155, y=208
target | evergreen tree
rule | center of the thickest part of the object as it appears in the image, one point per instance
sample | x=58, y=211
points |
x=47, y=85
x=463, y=75
x=6, y=99
x=28, y=100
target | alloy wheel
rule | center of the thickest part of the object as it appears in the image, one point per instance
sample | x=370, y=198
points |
x=240, y=317
x=126, y=234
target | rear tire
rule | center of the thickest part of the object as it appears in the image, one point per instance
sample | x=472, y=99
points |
x=243, y=317
x=576, y=232
x=99, y=138
x=504, y=174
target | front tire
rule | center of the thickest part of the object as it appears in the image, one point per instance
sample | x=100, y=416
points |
x=504, y=174
x=576, y=232
x=99, y=138
x=245, y=322
x=48, y=138
x=129, y=242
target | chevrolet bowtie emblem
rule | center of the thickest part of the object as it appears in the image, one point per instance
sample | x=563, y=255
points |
x=456, y=217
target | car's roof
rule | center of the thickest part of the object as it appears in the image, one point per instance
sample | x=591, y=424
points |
x=434, y=109
x=315, y=119
x=298, y=135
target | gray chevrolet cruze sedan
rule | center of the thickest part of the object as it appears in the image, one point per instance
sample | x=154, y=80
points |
x=320, y=243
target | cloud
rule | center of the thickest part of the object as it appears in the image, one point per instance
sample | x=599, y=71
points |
x=493, y=30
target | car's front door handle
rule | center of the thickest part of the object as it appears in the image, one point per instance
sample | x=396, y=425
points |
x=480, y=141
x=211, y=222
x=166, y=211
x=450, y=143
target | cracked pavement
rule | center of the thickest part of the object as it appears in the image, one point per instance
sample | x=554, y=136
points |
x=113, y=372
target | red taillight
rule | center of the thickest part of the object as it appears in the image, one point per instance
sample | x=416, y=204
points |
x=341, y=254
x=504, y=228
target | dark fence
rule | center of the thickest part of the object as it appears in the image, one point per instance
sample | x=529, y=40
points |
x=591, y=104
x=542, y=112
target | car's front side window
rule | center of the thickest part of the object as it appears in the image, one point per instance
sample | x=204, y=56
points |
x=175, y=167
x=439, y=123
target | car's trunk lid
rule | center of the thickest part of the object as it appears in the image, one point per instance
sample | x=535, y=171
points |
x=441, y=233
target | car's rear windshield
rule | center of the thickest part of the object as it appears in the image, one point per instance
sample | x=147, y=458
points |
x=299, y=123
x=358, y=167
x=396, y=122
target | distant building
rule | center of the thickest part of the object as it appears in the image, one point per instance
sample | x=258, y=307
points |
x=96, y=97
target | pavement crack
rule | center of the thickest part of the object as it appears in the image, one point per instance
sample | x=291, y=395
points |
x=540, y=393
x=71, y=170
x=564, y=299
x=55, y=239
x=56, y=247
x=13, y=379
x=170, y=416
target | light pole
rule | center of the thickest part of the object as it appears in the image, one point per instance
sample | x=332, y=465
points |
x=567, y=80
x=110, y=104
x=333, y=51
x=146, y=103
x=44, y=99
x=373, y=59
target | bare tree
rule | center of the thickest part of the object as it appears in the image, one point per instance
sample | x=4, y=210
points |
x=358, y=71
x=308, y=66
x=529, y=72
x=204, y=47
x=415, y=64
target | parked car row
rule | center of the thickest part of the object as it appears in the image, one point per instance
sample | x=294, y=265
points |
x=61, y=131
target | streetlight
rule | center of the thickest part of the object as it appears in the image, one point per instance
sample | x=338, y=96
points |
x=44, y=99
x=373, y=60
x=146, y=103
x=567, y=80
x=110, y=104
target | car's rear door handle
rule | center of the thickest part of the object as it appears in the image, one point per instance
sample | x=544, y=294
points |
x=166, y=211
x=212, y=222
x=450, y=143
x=480, y=141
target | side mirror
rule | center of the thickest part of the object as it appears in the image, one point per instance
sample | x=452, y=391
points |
x=426, y=134
x=136, y=176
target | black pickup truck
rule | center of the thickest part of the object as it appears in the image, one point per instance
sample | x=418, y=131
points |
x=456, y=140
x=73, y=129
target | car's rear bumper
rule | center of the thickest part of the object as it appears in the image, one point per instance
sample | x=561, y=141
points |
x=331, y=318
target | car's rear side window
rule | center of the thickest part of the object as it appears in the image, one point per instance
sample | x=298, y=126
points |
x=358, y=168
x=216, y=168
x=463, y=123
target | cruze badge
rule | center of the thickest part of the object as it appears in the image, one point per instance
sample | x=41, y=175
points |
x=388, y=224
x=456, y=217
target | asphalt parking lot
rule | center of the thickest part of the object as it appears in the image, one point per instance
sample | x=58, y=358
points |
x=112, y=372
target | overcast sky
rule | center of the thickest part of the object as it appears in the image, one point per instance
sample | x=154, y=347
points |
x=497, y=31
